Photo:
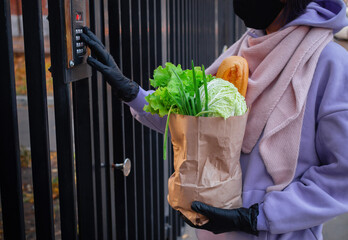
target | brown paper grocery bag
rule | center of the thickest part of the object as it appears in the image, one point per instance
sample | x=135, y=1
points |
x=206, y=163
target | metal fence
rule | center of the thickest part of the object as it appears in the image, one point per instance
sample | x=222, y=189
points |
x=94, y=130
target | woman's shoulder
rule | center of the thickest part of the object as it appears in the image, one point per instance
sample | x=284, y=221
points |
x=332, y=65
x=334, y=53
x=330, y=79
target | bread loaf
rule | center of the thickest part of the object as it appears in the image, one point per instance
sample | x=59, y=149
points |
x=235, y=69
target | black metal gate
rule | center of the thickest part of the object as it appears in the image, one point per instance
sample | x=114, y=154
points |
x=94, y=130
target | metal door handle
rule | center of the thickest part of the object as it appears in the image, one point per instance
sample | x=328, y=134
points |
x=125, y=167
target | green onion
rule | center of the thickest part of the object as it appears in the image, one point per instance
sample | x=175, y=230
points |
x=205, y=89
x=194, y=112
x=204, y=113
x=186, y=103
x=196, y=89
x=166, y=135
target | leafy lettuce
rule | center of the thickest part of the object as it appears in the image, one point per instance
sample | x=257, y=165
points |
x=168, y=86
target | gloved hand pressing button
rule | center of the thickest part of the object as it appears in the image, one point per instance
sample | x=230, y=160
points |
x=123, y=87
x=227, y=220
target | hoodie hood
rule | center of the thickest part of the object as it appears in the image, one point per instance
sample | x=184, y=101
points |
x=325, y=14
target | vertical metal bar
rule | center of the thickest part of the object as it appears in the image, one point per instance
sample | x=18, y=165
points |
x=124, y=68
x=86, y=189
x=193, y=31
x=132, y=137
x=157, y=202
x=201, y=26
x=190, y=31
x=216, y=28
x=161, y=178
x=127, y=69
x=200, y=38
x=109, y=180
x=10, y=169
x=111, y=222
x=196, y=31
x=63, y=117
x=143, y=77
x=175, y=32
x=209, y=30
x=152, y=143
x=115, y=27
x=98, y=133
x=38, y=119
x=174, y=58
x=179, y=24
x=146, y=206
x=209, y=44
x=138, y=133
x=182, y=32
x=134, y=76
x=166, y=21
x=156, y=59
x=163, y=27
x=185, y=33
x=171, y=47
x=177, y=224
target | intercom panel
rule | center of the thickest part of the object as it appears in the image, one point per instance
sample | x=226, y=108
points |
x=76, y=17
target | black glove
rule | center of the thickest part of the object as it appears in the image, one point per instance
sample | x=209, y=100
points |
x=124, y=88
x=227, y=220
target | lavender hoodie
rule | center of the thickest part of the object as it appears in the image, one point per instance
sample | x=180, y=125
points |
x=319, y=190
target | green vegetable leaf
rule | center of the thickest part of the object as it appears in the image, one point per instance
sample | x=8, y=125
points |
x=224, y=100
x=162, y=76
x=175, y=89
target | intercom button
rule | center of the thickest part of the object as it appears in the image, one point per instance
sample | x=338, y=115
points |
x=80, y=51
x=78, y=30
x=78, y=38
x=79, y=44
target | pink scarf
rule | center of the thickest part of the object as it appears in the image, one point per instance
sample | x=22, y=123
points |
x=282, y=66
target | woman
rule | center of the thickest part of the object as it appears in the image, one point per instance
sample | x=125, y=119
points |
x=294, y=159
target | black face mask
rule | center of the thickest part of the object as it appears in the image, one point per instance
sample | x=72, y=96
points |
x=258, y=14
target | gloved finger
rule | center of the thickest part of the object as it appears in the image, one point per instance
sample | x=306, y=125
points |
x=187, y=221
x=92, y=36
x=208, y=226
x=97, y=50
x=203, y=209
x=94, y=63
x=255, y=207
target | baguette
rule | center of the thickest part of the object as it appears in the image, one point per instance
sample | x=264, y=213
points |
x=235, y=69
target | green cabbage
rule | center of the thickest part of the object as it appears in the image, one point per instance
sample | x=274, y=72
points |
x=224, y=100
